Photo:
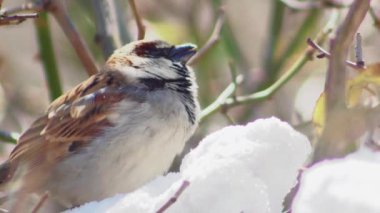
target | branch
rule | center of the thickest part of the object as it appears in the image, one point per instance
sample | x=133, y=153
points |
x=326, y=54
x=342, y=126
x=339, y=47
x=173, y=199
x=214, y=38
x=11, y=16
x=16, y=19
x=40, y=203
x=359, y=51
x=60, y=14
x=47, y=55
x=139, y=23
x=106, y=26
x=224, y=100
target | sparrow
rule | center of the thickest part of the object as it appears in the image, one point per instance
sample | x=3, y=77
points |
x=113, y=132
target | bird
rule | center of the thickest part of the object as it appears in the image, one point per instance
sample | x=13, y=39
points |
x=113, y=132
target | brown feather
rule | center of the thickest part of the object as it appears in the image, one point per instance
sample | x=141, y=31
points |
x=70, y=123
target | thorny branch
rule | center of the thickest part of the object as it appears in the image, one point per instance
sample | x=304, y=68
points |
x=325, y=54
x=16, y=19
x=341, y=123
x=173, y=199
x=60, y=13
x=139, y=23
x=339, y=48
x=214, y=38
x=11, y=16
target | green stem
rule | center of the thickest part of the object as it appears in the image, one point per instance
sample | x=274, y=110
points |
x=278, y=9
x=47, y=55
x=225, y=100
x=299, y=39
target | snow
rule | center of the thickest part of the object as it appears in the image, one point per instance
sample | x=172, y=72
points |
x=237, y=169
x=348, y=185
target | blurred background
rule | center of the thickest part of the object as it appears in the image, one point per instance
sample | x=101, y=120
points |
x=260, y=39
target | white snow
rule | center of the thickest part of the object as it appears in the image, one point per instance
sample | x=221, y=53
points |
x=237, y=169
x=349, y=185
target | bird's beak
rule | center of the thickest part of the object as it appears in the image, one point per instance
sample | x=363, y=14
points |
x=183, y=52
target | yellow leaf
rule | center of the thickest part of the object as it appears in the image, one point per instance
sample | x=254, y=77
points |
x=319, y=113
x=354, y=93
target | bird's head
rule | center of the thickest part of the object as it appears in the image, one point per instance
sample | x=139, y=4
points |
x=152, y=60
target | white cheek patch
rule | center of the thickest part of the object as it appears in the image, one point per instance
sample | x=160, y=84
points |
x=148, y=68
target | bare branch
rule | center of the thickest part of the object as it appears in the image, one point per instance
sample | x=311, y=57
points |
x=60, y=14
x=139, y=23
x=11, y=16
x=173, y=199
x=40, y=202
x=16, y=19
x=214, y=38
x=326, y=54
x=358, y=51
x=336, y=75
x=342, y=125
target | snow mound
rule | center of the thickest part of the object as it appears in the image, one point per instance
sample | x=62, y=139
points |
x=348, y=185
x=237, y=169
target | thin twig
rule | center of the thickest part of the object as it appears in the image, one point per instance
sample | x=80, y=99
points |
x=214, y=38
x=16, y=19
x=326, y=54
x=138, y=19
x=173, y=199
x=63, y=19
x=12, y=16
x=40, y=202
x=224, y=100
x=221, y=99
x=358, y=51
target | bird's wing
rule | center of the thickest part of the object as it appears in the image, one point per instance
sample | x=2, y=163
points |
x=70, y=123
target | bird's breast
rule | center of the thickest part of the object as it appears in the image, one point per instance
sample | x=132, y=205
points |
x=140, y=145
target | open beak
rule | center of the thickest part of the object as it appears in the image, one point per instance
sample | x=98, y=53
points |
x=183, y=52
